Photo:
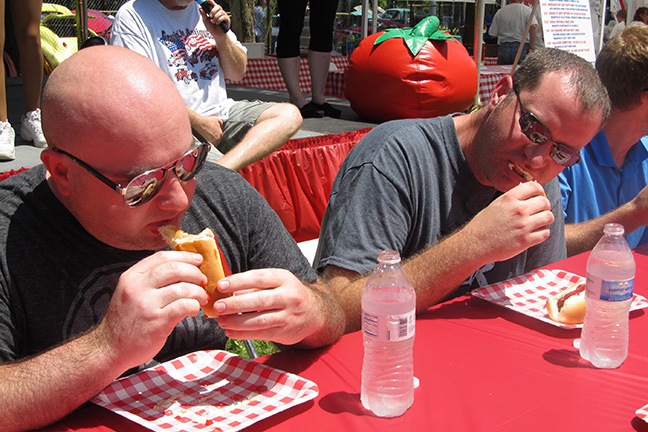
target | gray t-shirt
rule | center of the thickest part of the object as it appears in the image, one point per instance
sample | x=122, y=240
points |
x=406, y=186
x=56, y=280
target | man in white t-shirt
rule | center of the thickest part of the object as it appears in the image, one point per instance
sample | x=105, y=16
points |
x=508, y=25
x=192, y=49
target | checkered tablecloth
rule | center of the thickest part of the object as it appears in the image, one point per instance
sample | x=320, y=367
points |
x=528, y=293
x=642, y=413
x=265, y=73
x=489, y=76
x=205, y=391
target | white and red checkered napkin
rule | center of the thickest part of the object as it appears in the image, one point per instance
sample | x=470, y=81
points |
x=529, y=292
x=205, y=391
x=642, y=413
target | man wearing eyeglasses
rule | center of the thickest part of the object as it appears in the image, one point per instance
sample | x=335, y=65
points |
x=610, y=183
x=462, y=198
x=84, y=296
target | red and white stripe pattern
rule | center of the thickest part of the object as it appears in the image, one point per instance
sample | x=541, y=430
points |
x=529, y=292
x=205, y=391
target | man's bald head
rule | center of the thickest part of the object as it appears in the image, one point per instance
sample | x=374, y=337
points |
x=107, y=94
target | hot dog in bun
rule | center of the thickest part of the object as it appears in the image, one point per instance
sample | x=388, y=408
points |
x=205, y=244
x=568, y=306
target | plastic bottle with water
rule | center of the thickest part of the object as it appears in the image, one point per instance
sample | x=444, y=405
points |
x=608, y=295
x=388, y=324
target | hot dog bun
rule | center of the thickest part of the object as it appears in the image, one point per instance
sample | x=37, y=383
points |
x=568, y=306
x=203, y=243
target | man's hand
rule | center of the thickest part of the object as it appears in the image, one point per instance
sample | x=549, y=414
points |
x=216, y=16
x=272, y=304
x=150, y=299
x=210, y=127
x=512, y=223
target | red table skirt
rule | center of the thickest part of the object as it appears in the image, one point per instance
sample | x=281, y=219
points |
x=296, y=180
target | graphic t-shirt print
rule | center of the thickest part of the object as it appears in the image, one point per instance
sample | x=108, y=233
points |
x=193, y=55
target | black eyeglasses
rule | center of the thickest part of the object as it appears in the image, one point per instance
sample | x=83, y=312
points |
x=145, y=186
x=538, y=133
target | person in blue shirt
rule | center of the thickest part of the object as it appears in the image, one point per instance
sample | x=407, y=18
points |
x=609, y=185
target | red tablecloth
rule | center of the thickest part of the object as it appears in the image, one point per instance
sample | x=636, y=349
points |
x=481, y=368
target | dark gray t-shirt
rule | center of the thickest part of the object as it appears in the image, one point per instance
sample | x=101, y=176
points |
x=407, y=185
x=56, y=280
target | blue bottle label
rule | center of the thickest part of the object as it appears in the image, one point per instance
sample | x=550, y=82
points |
x=616, y=291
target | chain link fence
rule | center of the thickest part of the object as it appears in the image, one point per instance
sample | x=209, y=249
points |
x=59, y=29
x=105, y=6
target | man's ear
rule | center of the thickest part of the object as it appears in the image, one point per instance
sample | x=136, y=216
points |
x=501, y=90
x=58, y=169
x=644, y=97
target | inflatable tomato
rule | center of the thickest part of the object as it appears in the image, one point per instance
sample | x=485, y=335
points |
x=410, y=73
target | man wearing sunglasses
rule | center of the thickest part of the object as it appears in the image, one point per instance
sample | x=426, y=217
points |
x=609, y=185
x=88, y=289
x=467, y=200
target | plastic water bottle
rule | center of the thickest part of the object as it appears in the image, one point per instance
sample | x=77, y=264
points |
x=608, y=295
x=388, y=324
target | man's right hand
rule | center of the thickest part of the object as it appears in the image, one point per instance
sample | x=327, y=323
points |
x=513, y=222
x=150, y=299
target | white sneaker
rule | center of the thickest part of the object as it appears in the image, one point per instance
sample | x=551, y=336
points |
x=7, y=141
x=31, y=129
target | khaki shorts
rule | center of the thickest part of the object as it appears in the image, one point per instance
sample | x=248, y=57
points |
x=242, y=116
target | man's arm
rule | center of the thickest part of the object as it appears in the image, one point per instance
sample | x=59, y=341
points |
x=583, y=236
x=231, y=57
x=511, y=224
x=533, y=35
x=40, y=390
x=147, y=304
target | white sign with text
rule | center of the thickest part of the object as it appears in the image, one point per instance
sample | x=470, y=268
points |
x=567, y=25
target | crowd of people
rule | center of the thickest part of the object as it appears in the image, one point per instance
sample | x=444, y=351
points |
x=90, y=292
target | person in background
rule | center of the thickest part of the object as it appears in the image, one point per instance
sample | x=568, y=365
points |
x=321, y=19
x=260, y=20
x=540, y=40
x=107, y=297
x=508, y=26
x=621, y=17
x=609, y=185
x=467, y=200
x=198, y=61
x=640, y=16
x=26, y=16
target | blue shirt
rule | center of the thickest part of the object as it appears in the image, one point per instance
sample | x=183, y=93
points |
x=597, y=186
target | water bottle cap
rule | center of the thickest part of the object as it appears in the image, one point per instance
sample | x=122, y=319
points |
x=614, y=229
x=389, y=257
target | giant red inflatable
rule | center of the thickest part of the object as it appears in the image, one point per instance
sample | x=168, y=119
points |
x=410, y=73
